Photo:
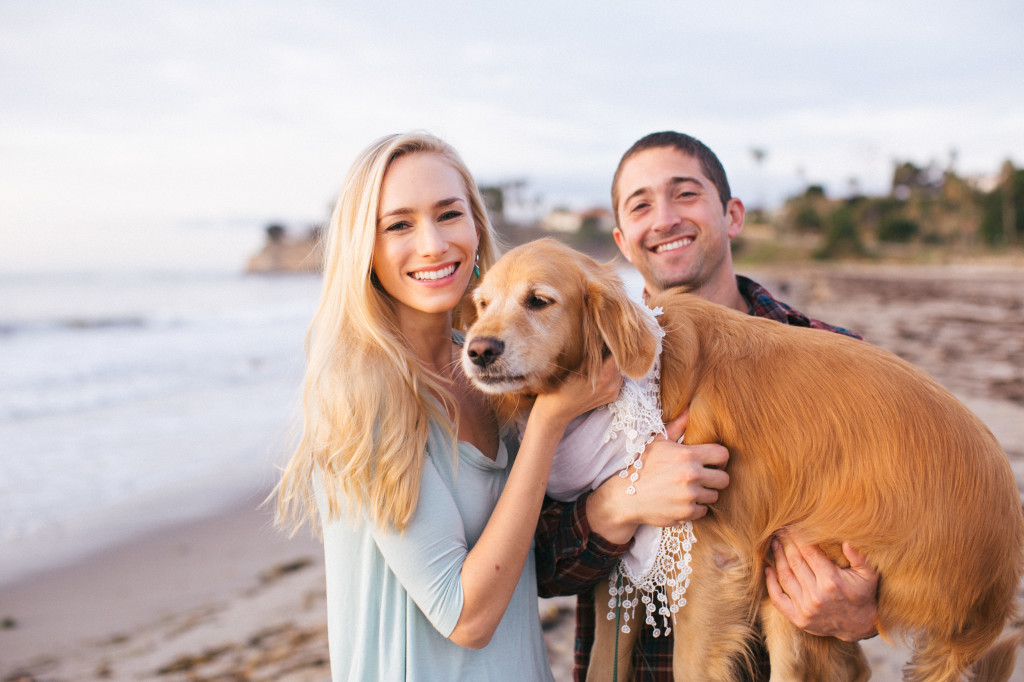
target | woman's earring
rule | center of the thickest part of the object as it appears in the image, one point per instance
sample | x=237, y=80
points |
x=476, y=266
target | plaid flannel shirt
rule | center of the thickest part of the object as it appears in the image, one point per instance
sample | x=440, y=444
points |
x=573, y=560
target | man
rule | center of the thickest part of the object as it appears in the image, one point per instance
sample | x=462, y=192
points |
x=675, y=219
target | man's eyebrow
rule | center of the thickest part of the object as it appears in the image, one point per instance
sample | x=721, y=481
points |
x=444, y=203
x=682, y=179
x=636, y=193
x=676, y=180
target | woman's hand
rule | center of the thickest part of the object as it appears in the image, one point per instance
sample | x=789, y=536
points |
x=579, y=394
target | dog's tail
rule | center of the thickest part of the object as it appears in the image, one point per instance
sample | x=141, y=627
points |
x=942, y=661
x=996, y=665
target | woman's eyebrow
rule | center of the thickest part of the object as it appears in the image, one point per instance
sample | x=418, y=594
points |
x=405, y=211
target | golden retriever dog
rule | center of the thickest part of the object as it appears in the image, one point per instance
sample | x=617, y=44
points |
x=826, y=434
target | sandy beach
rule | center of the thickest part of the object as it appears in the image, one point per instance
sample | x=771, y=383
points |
x=231, y=598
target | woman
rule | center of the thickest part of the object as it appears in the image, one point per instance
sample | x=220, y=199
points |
x=426, y=527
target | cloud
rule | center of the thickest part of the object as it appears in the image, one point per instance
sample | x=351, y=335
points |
x=119, y=113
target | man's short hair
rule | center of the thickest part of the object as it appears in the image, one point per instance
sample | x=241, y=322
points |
x=691, y=146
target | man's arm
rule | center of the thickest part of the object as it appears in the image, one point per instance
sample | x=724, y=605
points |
x=815, y=594
x=577, y=544
x=570, y=557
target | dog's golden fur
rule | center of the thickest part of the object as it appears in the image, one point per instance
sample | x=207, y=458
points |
x=830, y=435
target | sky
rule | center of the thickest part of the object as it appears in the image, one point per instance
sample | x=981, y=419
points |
x=167, y=135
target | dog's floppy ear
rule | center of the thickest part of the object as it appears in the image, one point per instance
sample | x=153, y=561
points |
x=464, y=314
x=624, y=328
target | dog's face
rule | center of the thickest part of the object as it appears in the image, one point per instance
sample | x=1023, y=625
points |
x=544, y=311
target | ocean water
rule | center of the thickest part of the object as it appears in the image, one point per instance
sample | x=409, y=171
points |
x=131, y=401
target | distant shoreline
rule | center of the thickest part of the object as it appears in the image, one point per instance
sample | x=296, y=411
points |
x=756, y=247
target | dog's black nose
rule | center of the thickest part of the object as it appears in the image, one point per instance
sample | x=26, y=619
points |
x=484, y=351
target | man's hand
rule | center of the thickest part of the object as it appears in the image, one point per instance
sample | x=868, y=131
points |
x=819, y=597
x=676, y=484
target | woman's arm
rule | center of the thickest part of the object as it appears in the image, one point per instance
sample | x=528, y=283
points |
x=494, y=565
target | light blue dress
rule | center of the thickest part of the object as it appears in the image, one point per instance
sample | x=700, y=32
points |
x=393, y=598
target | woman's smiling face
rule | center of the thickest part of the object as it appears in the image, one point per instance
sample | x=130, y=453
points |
x=426, y=239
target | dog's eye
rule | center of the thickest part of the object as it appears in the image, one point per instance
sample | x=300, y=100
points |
x=537, y=302
x=481, y=305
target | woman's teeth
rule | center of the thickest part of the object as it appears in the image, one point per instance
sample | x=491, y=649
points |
x=434, y=274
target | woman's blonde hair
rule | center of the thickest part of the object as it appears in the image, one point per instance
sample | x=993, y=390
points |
x=367, y=400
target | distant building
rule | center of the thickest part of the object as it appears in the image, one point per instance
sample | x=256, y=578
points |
x=985, y=182
x=597, y=219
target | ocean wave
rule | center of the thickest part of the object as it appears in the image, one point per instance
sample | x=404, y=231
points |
x=10, y=328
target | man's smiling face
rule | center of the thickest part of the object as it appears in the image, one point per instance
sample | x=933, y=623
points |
x=671, y=223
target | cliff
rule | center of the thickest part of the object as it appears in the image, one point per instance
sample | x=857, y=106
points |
x=281, y=253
